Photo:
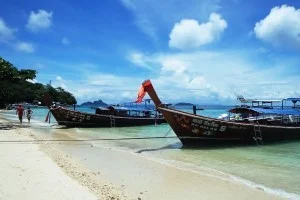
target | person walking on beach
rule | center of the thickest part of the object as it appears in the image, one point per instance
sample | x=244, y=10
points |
x=29, y=113
x=20, y=112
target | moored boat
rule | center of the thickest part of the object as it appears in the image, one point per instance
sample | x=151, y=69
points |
x=111, y=116
x=256, y=125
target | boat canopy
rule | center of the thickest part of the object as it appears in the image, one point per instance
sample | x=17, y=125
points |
x=292, y=99
x=265, y=111
x=102, y=108
x=120, y=108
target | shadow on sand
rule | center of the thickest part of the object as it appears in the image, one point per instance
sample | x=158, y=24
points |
x=171, y=146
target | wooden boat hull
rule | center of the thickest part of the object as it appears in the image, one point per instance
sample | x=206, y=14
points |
x=73, y=118
x=197, y=129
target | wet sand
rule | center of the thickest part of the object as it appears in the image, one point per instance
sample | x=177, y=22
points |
x=100, y=172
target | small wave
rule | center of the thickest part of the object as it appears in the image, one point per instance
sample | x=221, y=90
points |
x=275, y=191
x=202, y=170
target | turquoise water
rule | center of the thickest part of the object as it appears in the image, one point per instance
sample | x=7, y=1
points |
x=274, y=167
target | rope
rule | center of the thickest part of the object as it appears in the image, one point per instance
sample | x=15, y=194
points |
x=91, y=123
x=167, y=132
x=84, y=140
x=15, y=122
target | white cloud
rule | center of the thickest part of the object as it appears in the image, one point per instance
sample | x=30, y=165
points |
x=25, y=47
x=128, y=3
x=281, y=27
x=32, y=81
x=192, y=76
x=108, y=87
x=138, y=59
x=165, y=13
x=6, y=33
x=65, y=41
x=173, y=65
x=205, y=76
x=188, y=33
x=61, y=82
x=198, y=77
x=39, y=20
x=7, y=36
x=141, y=21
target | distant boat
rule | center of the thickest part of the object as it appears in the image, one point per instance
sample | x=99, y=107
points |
x=258, y=102
x=25, y=105
x=111, y=116
x=248, y=125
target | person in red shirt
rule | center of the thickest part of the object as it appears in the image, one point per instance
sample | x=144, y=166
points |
x=20, y=112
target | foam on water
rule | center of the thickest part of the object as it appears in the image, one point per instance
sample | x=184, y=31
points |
x=202, y=170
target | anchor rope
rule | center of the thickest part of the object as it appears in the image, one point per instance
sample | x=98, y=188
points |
x=83, y=140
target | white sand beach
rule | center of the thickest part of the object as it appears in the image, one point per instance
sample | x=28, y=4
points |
x=60, y=170
x=29, y=173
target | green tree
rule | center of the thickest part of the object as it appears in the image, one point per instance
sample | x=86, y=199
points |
x=16, y=88
x=27, y=74
x=65, y=97
x=7, y=70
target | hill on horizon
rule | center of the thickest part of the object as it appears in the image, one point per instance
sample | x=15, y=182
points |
x=95, y=103
x=183, y=104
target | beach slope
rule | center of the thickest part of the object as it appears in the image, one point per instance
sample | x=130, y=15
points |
x=28, y=173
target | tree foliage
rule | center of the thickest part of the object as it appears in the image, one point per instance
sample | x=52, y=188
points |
x=15, y=87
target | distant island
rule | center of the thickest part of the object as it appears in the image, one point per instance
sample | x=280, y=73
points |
x=98, y=103
x=184, y=104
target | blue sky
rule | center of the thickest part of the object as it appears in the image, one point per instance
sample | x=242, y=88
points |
x=201, y=51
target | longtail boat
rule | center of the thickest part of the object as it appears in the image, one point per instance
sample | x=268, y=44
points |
x=248, y=125
x=111, y=116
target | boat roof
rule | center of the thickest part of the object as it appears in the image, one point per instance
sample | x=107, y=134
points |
x=265, y=100
x=243, y=100
x=131, y=108
x=122, y=108
x=275, y=111
x=292, y=99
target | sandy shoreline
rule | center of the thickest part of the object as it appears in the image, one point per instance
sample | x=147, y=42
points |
x=105, y=173
x=28, y=173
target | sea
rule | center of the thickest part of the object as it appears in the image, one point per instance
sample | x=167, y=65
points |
x=274, y=168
